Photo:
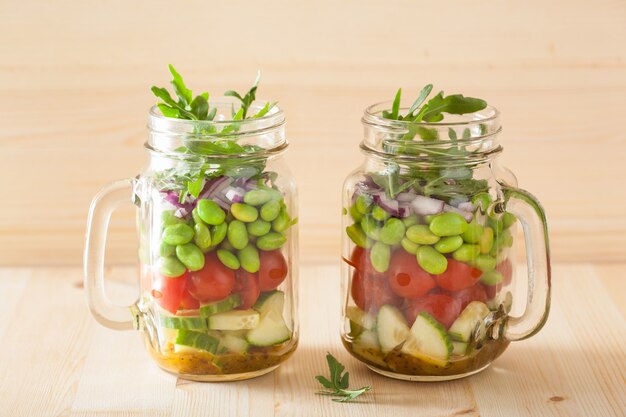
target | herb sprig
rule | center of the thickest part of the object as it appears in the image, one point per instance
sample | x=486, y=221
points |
x=339, y=382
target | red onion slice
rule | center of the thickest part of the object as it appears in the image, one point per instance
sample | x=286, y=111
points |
x=425, y=205
x=235, y=195
x=468, y=216
x=467, y=206
x=392, y=207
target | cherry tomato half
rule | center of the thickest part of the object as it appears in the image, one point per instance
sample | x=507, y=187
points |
x=273, y=269
x=187, y=301
x=213, y=282
x=406, y=277
x=369, y=292
x=474, y=293
x=168, y=292
x=458, y=276
x=506, y=269
x=247, y=286
x=360, y=260
x=441, y=307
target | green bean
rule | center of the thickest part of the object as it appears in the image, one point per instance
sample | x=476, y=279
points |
x=358, y=236
x=431, y=261
x=168, y=218
x=237, y=234
x=409, y=246
x=355, y=213
x=172, y=267
x=371, y=227
x=202, y=236
x=271, y=241
x=270, y=210
x=257, y=197
x=449, y=244
x=244, y=212
x=281, y=223
x=421, y=235
x=249, y=259
x=410, y=221
x=466, y=253
x=378, y=213
x=392, y=232
x=508, y=219
x=491, y=278
x=486, y=240
x=259, y=228
x=485, y=263
x=191, y=256
x=363, y=203
x=210, y=212
x=473, y=233
x=167, y=249
x=482, y=201
x=218, y=233
x=228, y=259
x=448, y=224
x=380, y=255
x=177, y=234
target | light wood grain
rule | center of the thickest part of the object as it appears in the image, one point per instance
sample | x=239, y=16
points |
x=63, y=364
x=75, y=78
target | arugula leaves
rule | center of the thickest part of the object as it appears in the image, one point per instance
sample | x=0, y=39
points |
x=339, y=382
x=248, y=99
x=187, y=107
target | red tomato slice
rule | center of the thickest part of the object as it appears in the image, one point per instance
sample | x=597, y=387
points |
x=247, y=285
x=467, y=295
x=273, y=270
x=360, y=260
x=406, y=277
x=441, y=307
x=187, y=301
x=168, y=292
x=506, y=269
x=369, y=292
x=458, y=276
x=213, y=282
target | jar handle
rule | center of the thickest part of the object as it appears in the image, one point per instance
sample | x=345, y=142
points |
x=533, y=219
x=102, y=206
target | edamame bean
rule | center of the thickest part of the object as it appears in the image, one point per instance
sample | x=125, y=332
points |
x=358, y=236
x=410, y=221
x=364, y=203
x=504, y=240
x=177, y=234
x=491, y=278
x=281, y=223
x=228, y=259
x=496, y=224
x=473, y=233
x=378, y=213
x=421, y=235
x=485, y=263
x=196, y=216
x=355, y=213
x=409, y=246
x=448, y=224
x=210, y=212
x=191, y=256
x=166, y=249
x=429, y=218
x=449, y=244
x=486, y=240
x=508, y=219
x=271, y=241
x=172, y=267
x=168, y=218
x=202, y=236
x=482, y=201
x=270, y=210
x=237, y=234
x=249, y=259
x=218, y=233
x=431, y=261
x=257, y=197
x=244, y=212
x=371, y=227
x=392, y=232
x=259, y=228
x=466, y=253
x=380, y=255
x=227, y=246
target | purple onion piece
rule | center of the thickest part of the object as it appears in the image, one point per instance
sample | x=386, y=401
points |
x=220, y=200
x=392, y=207
x=234, y=195
x=214, y=187
x=181, y=212
x=467, y=206
x=425, y=205
x=467, y=215
x=241, y=181
x=406, y=197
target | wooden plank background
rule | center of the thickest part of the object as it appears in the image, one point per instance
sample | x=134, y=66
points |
x=74, y=93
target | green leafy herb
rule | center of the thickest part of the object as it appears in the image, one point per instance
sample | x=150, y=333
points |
x=248, y=99
x=187, y=107
x=339, y=382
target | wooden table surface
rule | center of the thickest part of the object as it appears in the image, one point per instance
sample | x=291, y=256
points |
x=57, y=361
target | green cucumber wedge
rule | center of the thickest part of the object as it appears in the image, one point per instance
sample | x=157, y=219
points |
x=270, y=301
x=391, y=327
x=361, y=318
x=183, y=322
x=459, y=348
x=232, y=343
x=428, y=341
x=196, y=340
x=368, y=339
x=470, y=319
x=367, y=347
x=271, y=330
x=229, y=303
x=234, y=320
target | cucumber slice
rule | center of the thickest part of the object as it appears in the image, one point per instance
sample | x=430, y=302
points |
x=367, y=340
x=186, y=349
x=183, y=322
x=270, y=301
x=391, y=327
x=471, y=318
x=459, y=348
x=361, y=318
x=231, y=343
x=229, y=303
x=234, y=320
x=271, y=330
x=166, y=337
x=196, y=340
x=428, y=341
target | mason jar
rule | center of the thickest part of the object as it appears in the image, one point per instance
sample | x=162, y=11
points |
x=429, y=249
x=218, y=246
